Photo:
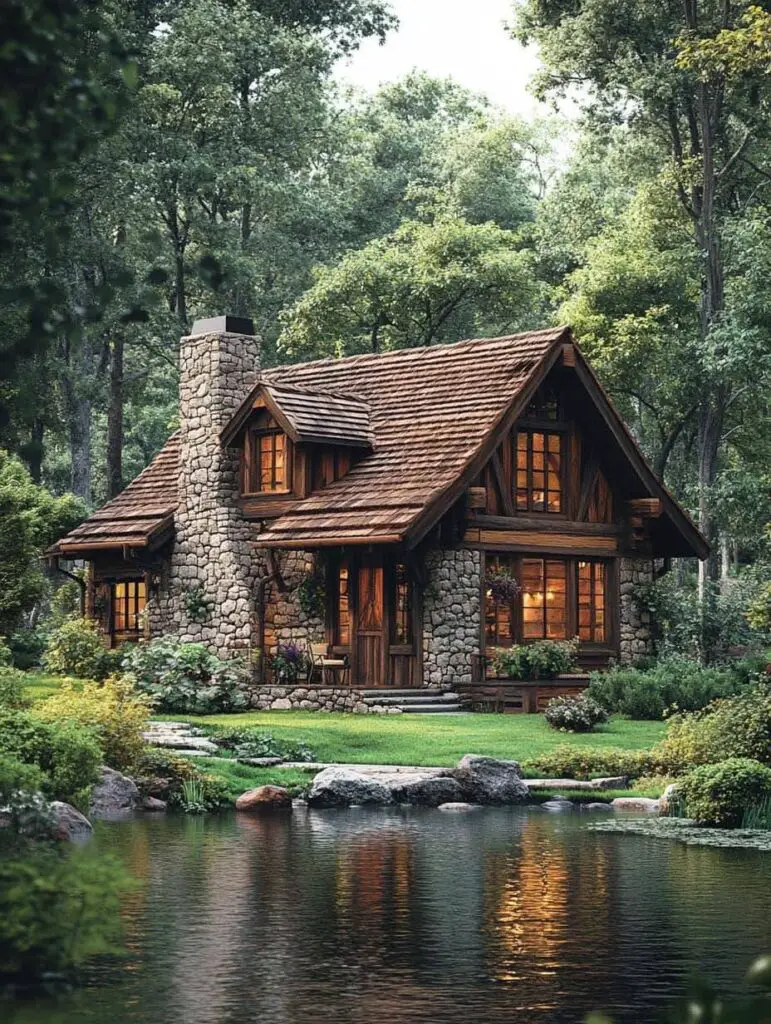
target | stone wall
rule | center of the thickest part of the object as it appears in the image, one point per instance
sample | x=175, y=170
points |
x=212, y=558
x=634, y=622
x=285, y=620
x=317, y=698
x=451, y=617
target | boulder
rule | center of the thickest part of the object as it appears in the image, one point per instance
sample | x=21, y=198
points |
x=599, y=806
x=636, y=803
x=557, y=805
x=426, y=791
x=342, y=787
x=114, y=794
x=486, y=780
x=264, y=798
x=68, y=822
x=458, y=806
x=152, y=803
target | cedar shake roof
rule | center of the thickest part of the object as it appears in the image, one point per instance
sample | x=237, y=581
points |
x=317, y=415
x=140, y=516
x=431, y=418
x=431, y=409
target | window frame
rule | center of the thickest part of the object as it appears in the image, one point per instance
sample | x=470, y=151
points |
x=529, y=429
x=251, y=465
x=130, y=602
x=514, y=562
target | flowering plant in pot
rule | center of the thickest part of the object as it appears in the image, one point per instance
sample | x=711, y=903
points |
x=287, y=663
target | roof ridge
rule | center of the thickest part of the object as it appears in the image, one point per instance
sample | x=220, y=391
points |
x=421, y=349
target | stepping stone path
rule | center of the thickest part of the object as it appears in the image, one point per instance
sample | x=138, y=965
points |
x=181, y=737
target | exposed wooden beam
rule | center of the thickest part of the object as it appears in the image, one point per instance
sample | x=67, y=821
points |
x=503, y=490
x=588, y=485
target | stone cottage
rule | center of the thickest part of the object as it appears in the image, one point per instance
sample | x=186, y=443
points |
x=372, y=505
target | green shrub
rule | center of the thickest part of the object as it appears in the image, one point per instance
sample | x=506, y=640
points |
x=718, y=794
x=163, y=775
x=77, y=649
x=58, y=906
x=6, y=654
x=571, y=762
x=672, y=683
x=246, y=742
x=24, y=809
x=738, y=726
x=115, y=710
x=13, y=690
x=543, y=659
x=67, y=754
x=187, y=678
x=575, y=714
x=28, y=646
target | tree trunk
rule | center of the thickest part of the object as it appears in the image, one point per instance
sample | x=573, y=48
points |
x=80, y=447
x=33, y=452
x=115, y=420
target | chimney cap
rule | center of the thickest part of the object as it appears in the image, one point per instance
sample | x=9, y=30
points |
x=224, y=325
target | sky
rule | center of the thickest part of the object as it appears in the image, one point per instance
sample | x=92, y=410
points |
x=465, y=39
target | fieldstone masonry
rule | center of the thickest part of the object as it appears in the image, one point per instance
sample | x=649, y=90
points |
x=285, y=621
x=212, y=558
x=451, y=617
x=634, y=622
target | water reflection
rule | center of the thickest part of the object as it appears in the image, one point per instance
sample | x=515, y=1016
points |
x=359, y=917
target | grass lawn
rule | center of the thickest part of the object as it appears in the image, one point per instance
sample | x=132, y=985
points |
x=430, y=739
x=40, y=686
x=240, y=777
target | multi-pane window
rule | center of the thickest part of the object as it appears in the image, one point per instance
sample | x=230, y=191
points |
x=272, y=456
x=591, y=601
x=343, y=623
x=266, y=462
x=538, y=471
x=544, y=599
x=128, y=603
x=402, y=623
x=500, y=614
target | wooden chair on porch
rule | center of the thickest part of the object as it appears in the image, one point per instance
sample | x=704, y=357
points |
x=319, y=660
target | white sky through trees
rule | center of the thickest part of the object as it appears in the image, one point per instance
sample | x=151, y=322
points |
x=462, y=38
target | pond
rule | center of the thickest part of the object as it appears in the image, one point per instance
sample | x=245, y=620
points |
x=388, y=916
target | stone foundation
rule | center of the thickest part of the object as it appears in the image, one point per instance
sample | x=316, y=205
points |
x=635, y=639
x=316, y=698
x=451, y=617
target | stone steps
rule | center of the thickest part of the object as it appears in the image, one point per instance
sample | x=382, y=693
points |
x=182, y=738
x=420, y=702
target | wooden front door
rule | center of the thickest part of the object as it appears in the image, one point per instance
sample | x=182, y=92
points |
x=369, y=624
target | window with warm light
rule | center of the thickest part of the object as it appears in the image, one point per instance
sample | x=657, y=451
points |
x=266, y=462
x=402, y=620
x=591, y=601
x=343, y=620
x=128, y=602
x=544, y=599
x=538, y=471
x=500, y=616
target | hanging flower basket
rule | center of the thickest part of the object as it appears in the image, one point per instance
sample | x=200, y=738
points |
x=502, y=586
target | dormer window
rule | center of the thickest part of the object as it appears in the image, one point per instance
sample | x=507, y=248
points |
x=267, y=457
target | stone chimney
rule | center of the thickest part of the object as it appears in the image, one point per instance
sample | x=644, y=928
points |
x=211, y=582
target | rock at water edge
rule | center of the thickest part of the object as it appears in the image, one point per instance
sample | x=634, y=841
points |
x=114, y=794
x=68, y=822
x=427, y=792
x=342, y=787
x=264, y=798
x=486, y=780
x=458, y=805
x=636, y=803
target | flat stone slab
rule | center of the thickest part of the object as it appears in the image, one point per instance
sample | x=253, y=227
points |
x=639, y=804
x=458, y=806
x=614, y=782
x=370, y=770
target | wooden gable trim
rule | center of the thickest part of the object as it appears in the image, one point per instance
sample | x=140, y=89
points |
x=443, y=501
x=503, y=490
x=628, y=445
x=258, y=397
